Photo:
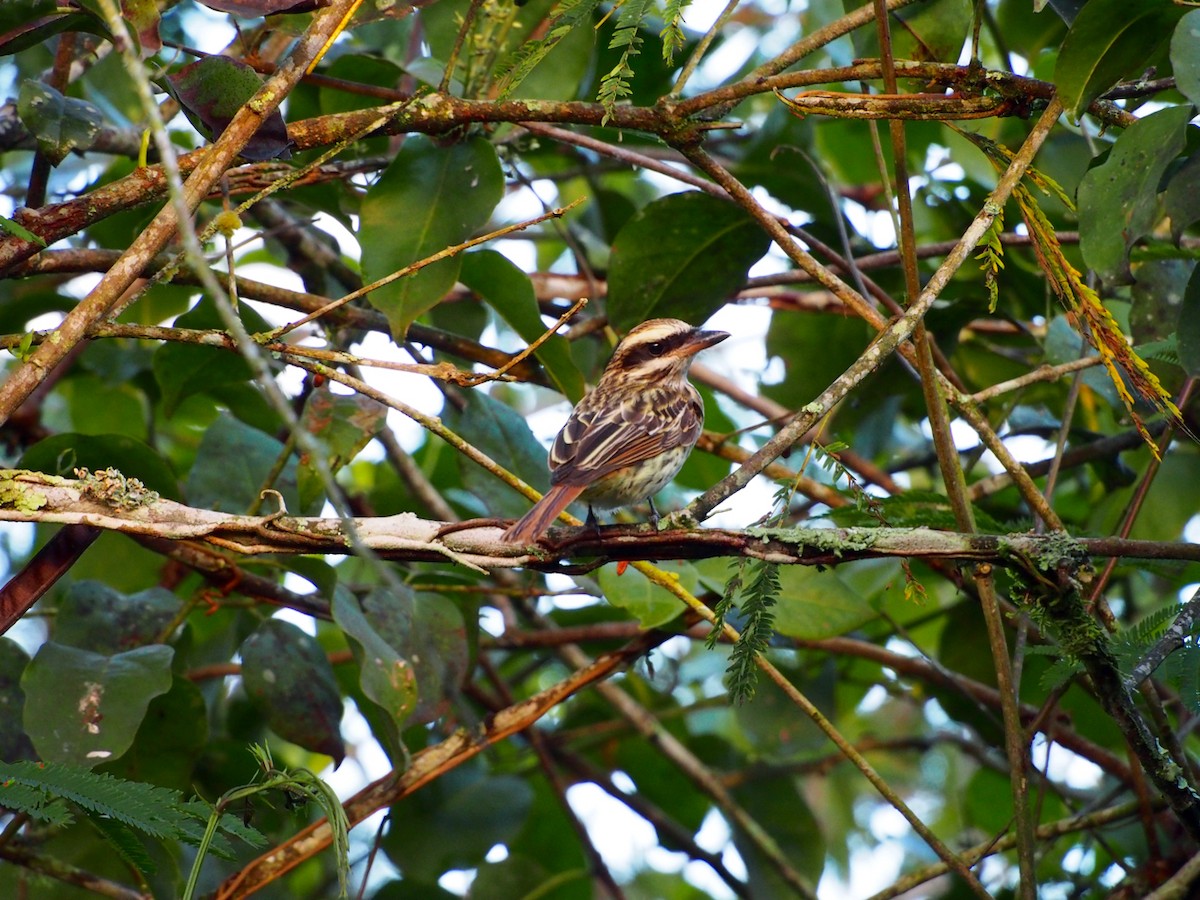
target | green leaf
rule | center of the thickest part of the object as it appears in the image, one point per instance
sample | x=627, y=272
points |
x=453, y=822
x=84, y=708
x=814, y=604
x=93, y=616
x=1108, y=40
x=31, y=23
x=288, y=676
x=1185, y=55
x=504, y=435
x=508, y=290
x=1189, y=326
x=344, y=424
x=386, y=677
x=232, y=465
x=63, y=453
x=1118, y=200
x=14, y=742
x=814, y=349
x=212, y=90
x=794, y=829
x=16, y=230
x=60, y=124
x=633, y=592
x=186, y=369
x=429, y=198
x=1181, y=200
x=682, y=256
x=172, y=737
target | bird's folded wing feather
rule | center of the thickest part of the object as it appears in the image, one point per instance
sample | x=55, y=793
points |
x=597, y=441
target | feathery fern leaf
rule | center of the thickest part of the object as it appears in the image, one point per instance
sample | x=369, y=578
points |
x=565, y=18
x=627, y=38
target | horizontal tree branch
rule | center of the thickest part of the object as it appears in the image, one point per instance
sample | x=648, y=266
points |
x=102, y=501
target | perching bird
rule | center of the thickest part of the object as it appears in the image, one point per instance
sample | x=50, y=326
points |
x=624, y=441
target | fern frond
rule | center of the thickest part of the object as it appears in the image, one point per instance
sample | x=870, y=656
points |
x=564, y=18
x=992, y=256
x=758, y=600
x=615, y=85
x=672, y=34
x=153, y=810
x=1082, y=303
x=725, y=604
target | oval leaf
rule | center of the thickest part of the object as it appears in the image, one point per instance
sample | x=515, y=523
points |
x=508, y=290
x=94, y=616
x=60, y=124
x=428, y=199
x=633, y=592
x=1118, y=200
x=84, y=708
x=1108, y=40
x=288, y=676
x=1185, y=55
x=213, y=89
x=385, y=676
x=814, y=605
x=503, y=434
x=62, y=453
x=682, y=256
x=1189, y=326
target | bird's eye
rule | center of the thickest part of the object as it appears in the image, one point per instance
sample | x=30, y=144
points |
x=657, y=347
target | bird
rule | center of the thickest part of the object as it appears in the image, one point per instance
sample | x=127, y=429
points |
x=628, y=437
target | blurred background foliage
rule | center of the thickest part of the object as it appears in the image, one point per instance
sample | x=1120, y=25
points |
x=359, y=665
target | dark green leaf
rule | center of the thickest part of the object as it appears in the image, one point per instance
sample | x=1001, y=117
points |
x=814, y=605
x=213, y=89
x=93, y=616
x=683, y=257
x=1108, y=40
x=510, y=293
x=84, y=708
x=795, y=831
x=63, y=453
x=814, y=349
x=289, y=677
x=31, y=23
x=1118, y=200
x=633, y=592
x=453, y=823
x=172, y=737
x=1157, y=297
x=344, y=424
x=14, y=742
x=232, y=465
x=60, y=124
x=186, y=369
x=1189, y=326
x=442, y=195
x=1185, y=55
x=501, y=433
x=1181, y=200
x=253, y=9
x=386, y=677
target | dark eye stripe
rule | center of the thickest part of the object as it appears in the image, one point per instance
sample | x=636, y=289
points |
x=658, y=348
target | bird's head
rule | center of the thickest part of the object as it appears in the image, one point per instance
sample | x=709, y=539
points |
x=660, y=349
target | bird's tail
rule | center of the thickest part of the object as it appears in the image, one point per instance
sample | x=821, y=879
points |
x=534, y=523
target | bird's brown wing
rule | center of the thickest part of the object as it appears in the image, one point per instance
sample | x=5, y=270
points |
x=602, y=437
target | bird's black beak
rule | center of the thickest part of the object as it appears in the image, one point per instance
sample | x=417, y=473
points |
x=699, y=340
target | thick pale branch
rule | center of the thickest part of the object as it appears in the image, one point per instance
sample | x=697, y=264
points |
x=35, y=497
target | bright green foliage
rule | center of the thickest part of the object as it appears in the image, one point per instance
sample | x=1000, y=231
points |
x=254, y=557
